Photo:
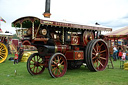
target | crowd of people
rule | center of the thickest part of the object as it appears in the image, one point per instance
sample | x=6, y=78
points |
x=119, y=52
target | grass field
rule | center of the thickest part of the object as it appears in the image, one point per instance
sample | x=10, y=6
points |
x=80, y=76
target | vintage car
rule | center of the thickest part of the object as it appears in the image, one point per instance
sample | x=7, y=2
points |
x=62, y=45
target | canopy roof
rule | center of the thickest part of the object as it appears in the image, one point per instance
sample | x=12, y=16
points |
x=26, y=22
x=120, y=33
x=6, y=34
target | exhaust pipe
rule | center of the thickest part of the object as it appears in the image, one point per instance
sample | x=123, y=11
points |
x=47, y=9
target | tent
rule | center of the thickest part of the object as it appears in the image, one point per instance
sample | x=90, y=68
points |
x=118, y=34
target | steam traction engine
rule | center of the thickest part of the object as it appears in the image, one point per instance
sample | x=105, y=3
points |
x=62, y=45
x=4, y=45
x=3, y=49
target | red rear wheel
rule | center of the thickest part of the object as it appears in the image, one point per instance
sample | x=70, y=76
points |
x=96, y=55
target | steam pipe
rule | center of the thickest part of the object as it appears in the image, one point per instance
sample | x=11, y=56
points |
x=47, y=9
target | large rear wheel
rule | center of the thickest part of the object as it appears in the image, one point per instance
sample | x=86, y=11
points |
x=96, y=55
x=3, y=52
x=35, y=64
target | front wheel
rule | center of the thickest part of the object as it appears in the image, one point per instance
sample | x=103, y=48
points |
x=35, y=64
x=57, y=65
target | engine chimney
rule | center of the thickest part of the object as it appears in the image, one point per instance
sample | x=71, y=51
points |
x=47, y=9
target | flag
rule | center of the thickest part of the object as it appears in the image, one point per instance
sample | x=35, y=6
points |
x=1, y=19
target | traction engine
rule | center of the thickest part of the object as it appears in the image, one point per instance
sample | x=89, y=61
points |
x=4, y=40
x=62, y=45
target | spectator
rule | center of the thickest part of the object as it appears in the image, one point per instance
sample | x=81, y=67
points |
x=111, y=51
x=127, y=54
x=123, y=55
x=115, y=53
x=120, y=54
x=16, y=58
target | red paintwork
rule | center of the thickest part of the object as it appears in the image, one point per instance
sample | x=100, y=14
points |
x=75, y=40
x=46, y=61
x=69, y=55
x=87, y=36
x=15, y=42
x=79, y=55
x=62, y=48
x=74, y=55
x=26, y=42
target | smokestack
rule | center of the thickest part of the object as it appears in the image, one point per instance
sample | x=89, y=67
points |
x=47, y=9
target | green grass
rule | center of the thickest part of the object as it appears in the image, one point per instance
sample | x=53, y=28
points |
x=80, y=76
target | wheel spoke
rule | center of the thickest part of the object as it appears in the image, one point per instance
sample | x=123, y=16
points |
x=97, y=46
x=94, y=50
x=102, y=58
x=93, y=54
x=1, y=57
x=54, y=59
x=58, y=59
x=59, y=71
x=53, y=65
x=100, y=63
x=62, y=67
x=33, y=68
x=54, y=69
x=54, y=62
x=103, y=51
x=3, y=53
x=38, y=69
x=94, y=62
x=33, y=61
x=61, y=62
x=101, y=45
x=38, y=58
x=94, y=57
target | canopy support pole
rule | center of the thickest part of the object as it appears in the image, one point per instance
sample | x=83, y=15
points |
x=32, y=30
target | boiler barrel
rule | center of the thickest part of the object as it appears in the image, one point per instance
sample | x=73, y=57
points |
x=53, y=49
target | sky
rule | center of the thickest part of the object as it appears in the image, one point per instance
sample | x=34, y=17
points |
x=108, y=13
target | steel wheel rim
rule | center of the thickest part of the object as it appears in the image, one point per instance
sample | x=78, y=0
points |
x=35, y=64
x=3, y=52
x=57, y=65
x=99, y=57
